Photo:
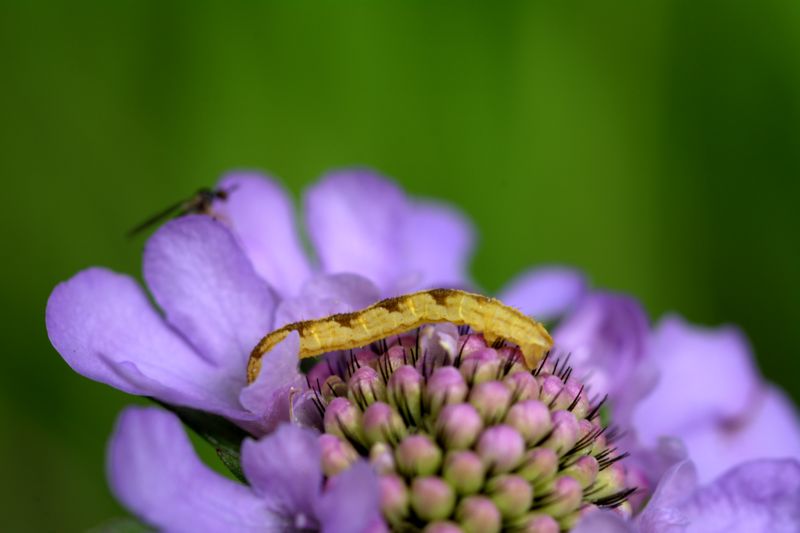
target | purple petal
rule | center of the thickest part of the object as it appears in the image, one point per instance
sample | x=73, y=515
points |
x=360, y=222
x=284, y=468
x=437, y=244
x=209, y=291
x=607, y=339
x=105, y=329
x=757, y=496
x=705, y=377
x=545, y=293
x=350, y=503
x=603, y=522
x=769, y=429
x=154, y=472
x=271, y=393
x=662, y=513
x=261, y=215
x=326, y=295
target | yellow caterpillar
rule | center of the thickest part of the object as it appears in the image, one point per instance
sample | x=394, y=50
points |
x=403, y=313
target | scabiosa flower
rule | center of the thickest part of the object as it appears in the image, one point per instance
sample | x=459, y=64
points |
x=457, y=435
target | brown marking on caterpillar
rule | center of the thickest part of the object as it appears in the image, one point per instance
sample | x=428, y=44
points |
x=393, y=316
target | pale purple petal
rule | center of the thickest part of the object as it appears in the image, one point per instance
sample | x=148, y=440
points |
x=603, y=522
x=754, y=497
x=545, y=293
x=706, y=376
x=607, y=340
x=154, y=472
x=663, y=513
x=350, y=502
x=262, y=217
x=105, y=329
x=770, y=428
x=269, y=395
x=209, y=290
x=353, y=218
x=326, y=295
x=437, y=244
x=363, y=223
x=284, y=468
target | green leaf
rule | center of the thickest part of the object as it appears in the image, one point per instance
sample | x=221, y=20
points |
x=224, y=436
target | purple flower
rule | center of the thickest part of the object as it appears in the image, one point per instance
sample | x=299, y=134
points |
x=223, y=284
x=154, y=471
x=758, y=496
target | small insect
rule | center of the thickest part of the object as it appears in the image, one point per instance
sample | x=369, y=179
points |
x=199, y=202
x=401, y=314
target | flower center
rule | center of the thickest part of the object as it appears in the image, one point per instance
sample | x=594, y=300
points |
x=463, y=434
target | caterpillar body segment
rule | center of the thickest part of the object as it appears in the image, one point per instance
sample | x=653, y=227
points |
x=394, y=316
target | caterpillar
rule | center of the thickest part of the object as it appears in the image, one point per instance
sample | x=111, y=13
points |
x=403, y=313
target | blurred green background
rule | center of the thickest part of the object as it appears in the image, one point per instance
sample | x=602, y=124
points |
x=654, y=144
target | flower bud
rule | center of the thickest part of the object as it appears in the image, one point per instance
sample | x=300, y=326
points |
x=491, y=399
x=539, y=466
x=501, y=448
x=418, y=455
x=539, y=523
x=512, y=495
x=576, y=399
x=432, y=498
x=405, y=393
x=565, y=432
x=381, y=457
x=523, y=386
x=366, y=387
x=458, y=426
x=464, y=471
x=609, y=481
x=394, y=498
x=336, y=454
x=477, y=514
x=565, y=497
x=471, y=344
x=333, y=387
x=531, y=418
x=442, y=527
x=584, y=469
x=479, y=366
x=343, y=419
x=551, y=391
x=383, y=424
x=445, y=386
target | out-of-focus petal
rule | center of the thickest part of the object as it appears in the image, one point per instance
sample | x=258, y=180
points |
x=262, y=217
x=603, y=522
x=154, y=472
x=269, y=395
x=706, y=376
x=662, y=514
x=353, y=218
x=545, y=293
x=105, y=329
x=209, y=290
x=350, y=503
x=769, y=429
x=754, y=497
x=607, y=340
x=361, y=222
x=326, y=295
x=437, y=244
x=284, y=468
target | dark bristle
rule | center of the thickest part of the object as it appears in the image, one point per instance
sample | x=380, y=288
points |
x=541, y=364
x=457, y=361
x=575, y=401
x=615, y=500
x=596, y=409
